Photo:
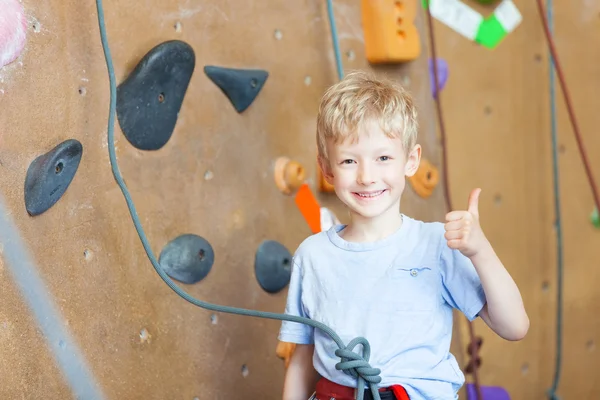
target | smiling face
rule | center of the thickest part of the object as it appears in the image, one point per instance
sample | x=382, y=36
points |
x=369, y=175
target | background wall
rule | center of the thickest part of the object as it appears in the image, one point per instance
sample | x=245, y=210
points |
x=214, y=178
x=496, y=106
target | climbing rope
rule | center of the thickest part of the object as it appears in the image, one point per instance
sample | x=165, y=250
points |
x=473, y=342
x=351, y=363
x=335, y=41
x=555, y=65
x=559, y=243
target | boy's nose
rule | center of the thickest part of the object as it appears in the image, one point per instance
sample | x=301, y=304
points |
x=365, y=176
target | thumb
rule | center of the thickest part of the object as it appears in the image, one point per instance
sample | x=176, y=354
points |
x=474, y=202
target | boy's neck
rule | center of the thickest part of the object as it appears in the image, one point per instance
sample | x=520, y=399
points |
x=362, y=229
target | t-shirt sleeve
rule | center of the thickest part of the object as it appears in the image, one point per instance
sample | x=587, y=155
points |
x=295, y=332
x=462, y=287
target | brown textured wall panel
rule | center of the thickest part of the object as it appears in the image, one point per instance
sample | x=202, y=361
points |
x=576, y=27
x=213, y=178
x=497, y=111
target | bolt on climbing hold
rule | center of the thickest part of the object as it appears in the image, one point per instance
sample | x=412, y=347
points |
x=441, y=71
x=50, y=174
x=289, y=175
x=188, y=258
x=13, y=28
x=240, y=86
x=390, y=33
x=285, y=350
x=595, y=218
x=328, y=219
x=272, y=266
x=323, y=185
x=309, y=207
x=150, y=98
x=425, y=179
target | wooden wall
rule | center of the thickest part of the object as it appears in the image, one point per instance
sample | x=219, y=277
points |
x=497, y=111
x=214, y=178
x=138, y=337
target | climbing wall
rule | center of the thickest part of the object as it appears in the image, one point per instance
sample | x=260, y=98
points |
x=496, y=107
x=82, y=307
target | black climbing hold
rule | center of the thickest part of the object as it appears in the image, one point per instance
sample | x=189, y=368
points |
x=187, y=258
x=272, y=266
x=149, y=100
x=241, y=86
x=49, y=176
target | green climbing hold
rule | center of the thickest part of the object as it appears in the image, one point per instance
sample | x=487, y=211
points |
x=490, y=32
x=595, y=218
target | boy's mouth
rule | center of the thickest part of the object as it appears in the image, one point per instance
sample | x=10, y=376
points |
x=369, y=195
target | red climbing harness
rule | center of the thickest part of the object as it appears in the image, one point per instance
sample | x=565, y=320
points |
x=327, y=390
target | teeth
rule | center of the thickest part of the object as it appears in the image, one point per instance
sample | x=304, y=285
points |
x=370, y=194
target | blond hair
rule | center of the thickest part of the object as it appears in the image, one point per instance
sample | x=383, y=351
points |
x=360, y=97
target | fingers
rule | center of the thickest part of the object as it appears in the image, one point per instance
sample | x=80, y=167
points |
x=453, y=235
x=455, y=244
x=456, y=225
x=458, y=230
x=458, y=215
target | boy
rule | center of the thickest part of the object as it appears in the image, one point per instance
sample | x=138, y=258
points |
x=385, y=276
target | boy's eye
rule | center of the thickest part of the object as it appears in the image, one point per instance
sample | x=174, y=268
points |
x=384, y=158
x=347, y=161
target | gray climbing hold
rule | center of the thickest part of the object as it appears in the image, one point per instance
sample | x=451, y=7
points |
x=187, y=258
x=50, y=174
x=241, y=86
x=272, y=266
x=149, y=100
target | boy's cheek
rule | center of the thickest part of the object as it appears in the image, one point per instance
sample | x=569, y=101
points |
x=342, y=179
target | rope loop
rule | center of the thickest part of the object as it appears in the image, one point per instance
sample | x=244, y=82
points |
x=356, y=365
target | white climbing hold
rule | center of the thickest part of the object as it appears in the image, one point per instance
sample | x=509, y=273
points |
x=328, y=219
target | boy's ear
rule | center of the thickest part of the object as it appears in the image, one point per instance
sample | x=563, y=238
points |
x=325, y=170
x=413, y=161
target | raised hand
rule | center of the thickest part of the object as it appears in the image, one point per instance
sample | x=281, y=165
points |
x=463, y=231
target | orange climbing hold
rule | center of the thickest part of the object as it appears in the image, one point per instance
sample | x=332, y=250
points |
x=289, y=175
x=309, y=207
x=324, y=186
x=389, y=30
x=285, y=350
x=425, y=179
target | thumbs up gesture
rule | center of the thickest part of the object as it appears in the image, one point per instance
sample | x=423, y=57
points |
x=463, y=231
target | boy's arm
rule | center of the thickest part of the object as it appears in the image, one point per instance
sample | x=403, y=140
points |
x=300, y=376
x=504, y=311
